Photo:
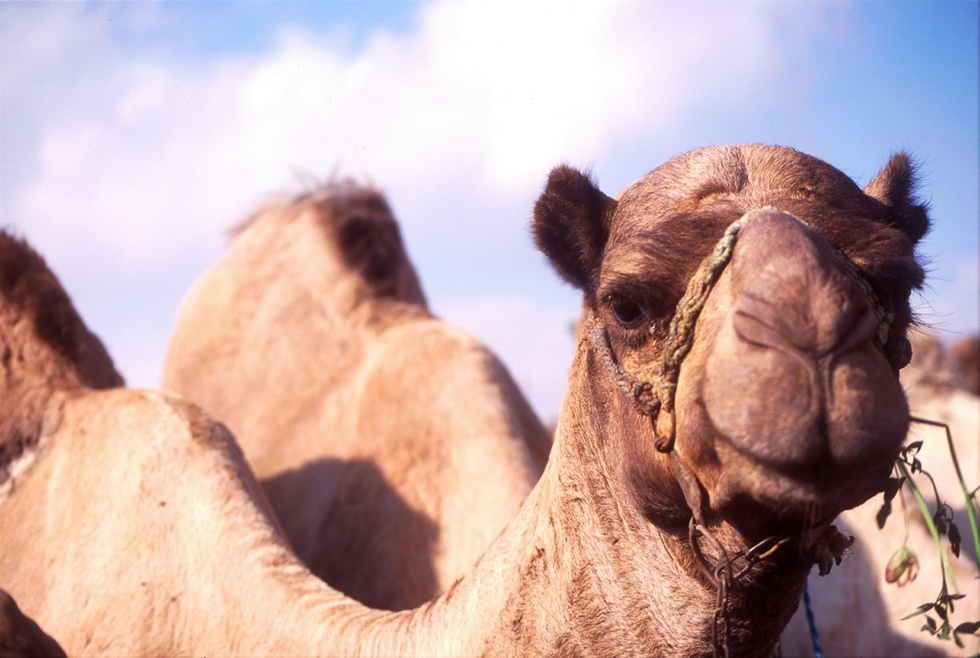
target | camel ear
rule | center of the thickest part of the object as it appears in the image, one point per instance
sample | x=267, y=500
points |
x=895, y=186
x=571, y=225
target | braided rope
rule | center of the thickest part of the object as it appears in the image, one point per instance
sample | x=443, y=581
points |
x=650, y=397
x=680, y=336
x=885, y=315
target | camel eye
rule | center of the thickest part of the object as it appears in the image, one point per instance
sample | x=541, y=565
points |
x=628, y=313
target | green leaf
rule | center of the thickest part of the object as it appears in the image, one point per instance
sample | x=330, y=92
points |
x=925, y=607
x=954, y=539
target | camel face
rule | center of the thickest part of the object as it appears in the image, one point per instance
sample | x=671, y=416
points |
x=773, y=375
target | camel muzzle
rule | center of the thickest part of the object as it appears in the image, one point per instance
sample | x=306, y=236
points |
x=796, y=379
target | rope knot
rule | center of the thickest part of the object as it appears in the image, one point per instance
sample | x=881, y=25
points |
x=645, y=399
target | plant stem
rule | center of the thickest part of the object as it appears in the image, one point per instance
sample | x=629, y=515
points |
x=924, y=508
x=971, y=503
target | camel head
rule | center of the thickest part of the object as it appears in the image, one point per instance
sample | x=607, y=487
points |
x=746, y=312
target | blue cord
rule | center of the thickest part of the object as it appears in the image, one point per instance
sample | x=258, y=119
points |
x=811, y=622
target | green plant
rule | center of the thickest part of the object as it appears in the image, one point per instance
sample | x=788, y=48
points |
x=903, y=567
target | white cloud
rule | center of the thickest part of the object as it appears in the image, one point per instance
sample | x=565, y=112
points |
x=140, y=161
x=482, y=95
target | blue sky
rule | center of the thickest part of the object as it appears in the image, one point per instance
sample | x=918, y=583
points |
x=132, y=135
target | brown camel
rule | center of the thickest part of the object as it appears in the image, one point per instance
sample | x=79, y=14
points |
x=392, y=446
x=140, y=529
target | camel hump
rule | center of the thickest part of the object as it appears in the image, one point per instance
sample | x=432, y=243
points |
x=40, y=325
x=355, y=224
x=364, y=229
x=45, y=348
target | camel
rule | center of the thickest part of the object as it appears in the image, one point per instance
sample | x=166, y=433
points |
x=368, y=421
x=856, y=598
x=679, y=526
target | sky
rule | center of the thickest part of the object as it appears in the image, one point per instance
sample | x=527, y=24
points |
x=134, y=135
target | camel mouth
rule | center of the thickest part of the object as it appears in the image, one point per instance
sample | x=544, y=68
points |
x=821, y=488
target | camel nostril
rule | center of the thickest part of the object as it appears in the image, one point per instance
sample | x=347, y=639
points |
x=859, y=333
x=752, y=328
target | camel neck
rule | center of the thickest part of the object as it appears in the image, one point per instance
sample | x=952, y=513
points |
x=573, y=572
x=582, y=569
x=577, y=571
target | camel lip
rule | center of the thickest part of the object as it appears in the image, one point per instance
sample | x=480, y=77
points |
x=820, y=489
